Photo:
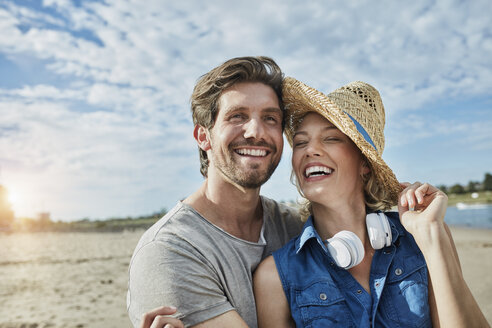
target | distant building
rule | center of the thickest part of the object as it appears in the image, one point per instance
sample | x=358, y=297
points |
x=44, y=217
x=6, y=213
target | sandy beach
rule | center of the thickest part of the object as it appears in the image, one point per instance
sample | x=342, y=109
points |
x=80, y=279
x=475, y=252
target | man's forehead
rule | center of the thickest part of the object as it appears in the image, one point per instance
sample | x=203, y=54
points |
x=248, y=95
x=239, y=108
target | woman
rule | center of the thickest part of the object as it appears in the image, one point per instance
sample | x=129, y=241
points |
x=334, y=274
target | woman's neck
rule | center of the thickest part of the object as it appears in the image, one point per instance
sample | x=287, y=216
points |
x=329, y=220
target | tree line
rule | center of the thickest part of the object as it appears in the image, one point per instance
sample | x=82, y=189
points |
x=472, y=186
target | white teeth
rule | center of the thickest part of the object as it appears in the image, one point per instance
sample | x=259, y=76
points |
x=252, y=152
x=317, y=170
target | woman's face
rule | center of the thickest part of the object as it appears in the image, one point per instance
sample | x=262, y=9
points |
x=327, y=164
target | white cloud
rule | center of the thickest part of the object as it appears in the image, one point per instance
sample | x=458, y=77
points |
x=43, y=91
x=65, y=153
x=120, y=129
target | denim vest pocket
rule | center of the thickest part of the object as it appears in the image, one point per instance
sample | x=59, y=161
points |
x=322, y=305
x=405, y=297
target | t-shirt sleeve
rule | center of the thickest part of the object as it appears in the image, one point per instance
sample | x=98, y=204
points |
x=172, y=272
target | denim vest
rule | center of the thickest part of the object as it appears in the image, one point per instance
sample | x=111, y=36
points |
x=320, y=294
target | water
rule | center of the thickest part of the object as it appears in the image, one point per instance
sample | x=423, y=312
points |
x=473, y=216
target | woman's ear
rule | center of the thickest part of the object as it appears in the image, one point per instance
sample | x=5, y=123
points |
x=202, y=137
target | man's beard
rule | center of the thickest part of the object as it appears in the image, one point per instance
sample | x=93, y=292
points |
x=251, y=178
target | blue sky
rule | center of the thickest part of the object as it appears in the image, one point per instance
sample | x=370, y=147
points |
x=94, y=96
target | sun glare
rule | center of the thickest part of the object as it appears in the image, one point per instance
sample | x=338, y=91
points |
x=12, y=197
x=16, y=200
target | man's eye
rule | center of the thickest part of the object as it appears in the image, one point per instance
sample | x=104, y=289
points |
x=236, y=117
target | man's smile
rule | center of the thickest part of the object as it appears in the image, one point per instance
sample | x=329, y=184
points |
x=252, y=152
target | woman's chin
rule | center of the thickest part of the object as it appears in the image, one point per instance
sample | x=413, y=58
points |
x=318, y=195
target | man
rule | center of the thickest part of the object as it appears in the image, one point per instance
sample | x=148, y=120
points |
x=200, y=256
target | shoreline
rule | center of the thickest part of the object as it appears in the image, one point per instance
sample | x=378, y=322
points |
x=453, y=226
x=455, y=212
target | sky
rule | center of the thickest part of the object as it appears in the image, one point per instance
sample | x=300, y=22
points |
x=94, y=95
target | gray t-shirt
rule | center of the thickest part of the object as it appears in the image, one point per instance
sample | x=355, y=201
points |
x=185, y=261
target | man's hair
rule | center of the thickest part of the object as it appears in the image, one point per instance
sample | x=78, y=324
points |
x=208, y=89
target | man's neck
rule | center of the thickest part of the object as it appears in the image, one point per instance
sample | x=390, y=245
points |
x=235, y=209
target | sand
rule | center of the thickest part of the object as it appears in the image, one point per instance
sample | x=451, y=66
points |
x=475, y=252
x=80, y=279
x=65, y=279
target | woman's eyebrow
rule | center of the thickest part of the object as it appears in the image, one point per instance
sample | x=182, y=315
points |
x=299, y=133
x=303, y=132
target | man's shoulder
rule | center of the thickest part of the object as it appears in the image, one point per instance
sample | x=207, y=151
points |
x=282, y=223
x=180, y=221
x=279, y=210
x=173, y=264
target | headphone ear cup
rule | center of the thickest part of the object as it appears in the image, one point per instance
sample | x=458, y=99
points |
x=346, y=249
x=379, y=230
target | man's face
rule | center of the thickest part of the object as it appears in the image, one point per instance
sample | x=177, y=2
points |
x=246, y=140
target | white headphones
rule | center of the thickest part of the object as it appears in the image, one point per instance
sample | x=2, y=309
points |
x=346, y=248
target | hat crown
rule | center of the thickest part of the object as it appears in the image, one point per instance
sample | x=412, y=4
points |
x=362, y=102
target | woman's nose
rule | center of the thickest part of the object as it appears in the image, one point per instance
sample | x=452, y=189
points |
x=313, y=149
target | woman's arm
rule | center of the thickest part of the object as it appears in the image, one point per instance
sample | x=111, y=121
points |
x=451, y=301
x=432, y=298
x=272, y=307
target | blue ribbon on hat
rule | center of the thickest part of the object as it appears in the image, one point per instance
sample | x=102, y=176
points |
x=362, y=131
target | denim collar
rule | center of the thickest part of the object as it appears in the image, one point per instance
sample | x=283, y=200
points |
x=309, y=232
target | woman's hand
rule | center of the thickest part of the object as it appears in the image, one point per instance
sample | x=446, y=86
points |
x=422, y=208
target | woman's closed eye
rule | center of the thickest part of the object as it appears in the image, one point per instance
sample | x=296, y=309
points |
x=299, y=143
x=331, y=139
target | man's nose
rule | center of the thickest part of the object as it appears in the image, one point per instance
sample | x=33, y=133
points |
x=254, y=129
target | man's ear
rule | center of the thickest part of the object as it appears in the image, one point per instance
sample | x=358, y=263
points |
x=202, y=137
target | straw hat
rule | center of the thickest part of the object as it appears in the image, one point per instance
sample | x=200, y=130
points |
x=356, y=109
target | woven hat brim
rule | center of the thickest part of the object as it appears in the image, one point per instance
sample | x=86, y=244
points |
x=300, y=99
